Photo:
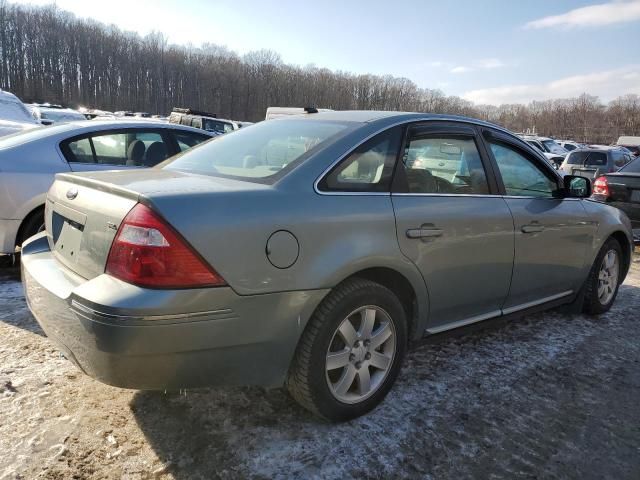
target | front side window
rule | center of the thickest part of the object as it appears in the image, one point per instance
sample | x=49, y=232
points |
x=521, y=176
x=260, y=152
x=444, y=164
x=369, y=168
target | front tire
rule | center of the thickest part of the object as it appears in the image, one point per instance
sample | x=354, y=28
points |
x=604, y=279
x=350, y=352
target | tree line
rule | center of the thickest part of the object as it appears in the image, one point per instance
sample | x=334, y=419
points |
x=47, y=54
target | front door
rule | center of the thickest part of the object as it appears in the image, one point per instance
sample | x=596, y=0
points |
x=551, y=233
x=452, y=225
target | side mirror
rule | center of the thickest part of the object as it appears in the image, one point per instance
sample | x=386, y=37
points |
x=576, y=187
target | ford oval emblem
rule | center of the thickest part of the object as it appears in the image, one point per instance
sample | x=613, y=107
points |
x=72, y=193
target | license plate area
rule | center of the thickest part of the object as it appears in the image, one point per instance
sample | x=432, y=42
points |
x=67, y=226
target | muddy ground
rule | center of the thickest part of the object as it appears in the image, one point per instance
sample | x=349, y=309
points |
x=549, y=396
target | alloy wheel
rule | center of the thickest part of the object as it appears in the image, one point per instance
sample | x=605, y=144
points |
x=608, y=277
x=360, y=354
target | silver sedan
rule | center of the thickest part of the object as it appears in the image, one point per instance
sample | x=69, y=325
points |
x=310, y=251
x=30, y=160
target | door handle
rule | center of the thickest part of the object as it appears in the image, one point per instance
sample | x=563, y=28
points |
x=532, y=228
x=424, y=233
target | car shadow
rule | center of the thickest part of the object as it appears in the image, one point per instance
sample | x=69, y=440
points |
x=13, y=306
x=239, y=432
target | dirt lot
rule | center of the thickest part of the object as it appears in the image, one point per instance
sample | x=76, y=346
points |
x=548, y=396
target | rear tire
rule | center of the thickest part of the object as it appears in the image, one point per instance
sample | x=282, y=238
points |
x=32, y=225
x=604, y=278
x=351, y=351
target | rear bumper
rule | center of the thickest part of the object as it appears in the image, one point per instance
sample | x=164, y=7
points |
x=138, y=338
x=8, y=234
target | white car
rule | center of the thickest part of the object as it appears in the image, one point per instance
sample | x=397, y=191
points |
x=48, y=114
x=569, y=145
x=30, y=160
x=549, y=148
x=14, y=116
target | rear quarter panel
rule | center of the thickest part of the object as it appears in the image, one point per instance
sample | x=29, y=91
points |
x=337, y=237
x=26, y=173
x=610, y=220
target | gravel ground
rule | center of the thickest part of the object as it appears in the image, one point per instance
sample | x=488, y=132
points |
x=547, y=396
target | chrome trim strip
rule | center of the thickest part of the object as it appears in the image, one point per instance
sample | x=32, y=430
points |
x=194, y=316
x=524, y=306
x=473, y=195
x=461, y=323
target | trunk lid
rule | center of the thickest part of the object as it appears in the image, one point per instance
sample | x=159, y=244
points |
x=624, y=187
x=84, y=210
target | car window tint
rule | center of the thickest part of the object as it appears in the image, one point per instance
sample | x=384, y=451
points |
x=442, y=164
x=521, y=177
x=133, y=149
x=369, y=167
x=79, y=151
x=569, y=147
x=186, y=140
x=586, y=158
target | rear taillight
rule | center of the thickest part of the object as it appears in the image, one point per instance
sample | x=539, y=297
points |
x=148, y=252
x=601, y=186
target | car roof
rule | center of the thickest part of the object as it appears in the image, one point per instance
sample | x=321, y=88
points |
x=130, y=122
x=369, y=116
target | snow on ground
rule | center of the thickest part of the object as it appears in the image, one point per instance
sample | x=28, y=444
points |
x=551, y=395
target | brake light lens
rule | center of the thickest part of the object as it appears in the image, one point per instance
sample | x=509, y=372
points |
x=601, y=186
x=148, y=252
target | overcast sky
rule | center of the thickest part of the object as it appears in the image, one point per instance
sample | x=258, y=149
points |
x=487, y=51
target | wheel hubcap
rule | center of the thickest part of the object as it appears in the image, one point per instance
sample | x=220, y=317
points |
x=360, y=354
x=608, y=277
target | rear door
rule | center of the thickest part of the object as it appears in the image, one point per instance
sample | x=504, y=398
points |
x=452, y=224
x=551, y=233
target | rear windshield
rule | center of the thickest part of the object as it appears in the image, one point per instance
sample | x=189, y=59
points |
x=632, y=167
x=587, y=158
x=261, y=152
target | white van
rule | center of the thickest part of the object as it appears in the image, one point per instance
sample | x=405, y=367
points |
x=276, y=112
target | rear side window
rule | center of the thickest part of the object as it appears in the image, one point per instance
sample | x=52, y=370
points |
x=369, y=168
x=569, y=147
x=123, y=148
x=444, y=164
x=584, y=158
